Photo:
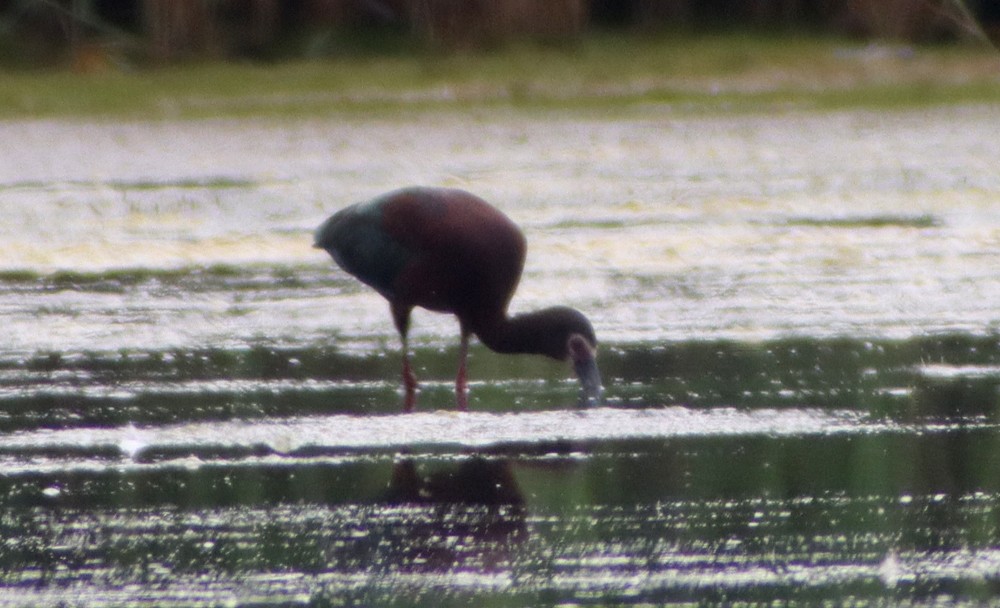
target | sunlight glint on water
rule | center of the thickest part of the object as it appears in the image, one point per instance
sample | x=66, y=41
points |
x=798, y=321
x=743, y=227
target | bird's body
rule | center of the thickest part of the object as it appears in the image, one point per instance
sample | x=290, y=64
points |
x=449, y=251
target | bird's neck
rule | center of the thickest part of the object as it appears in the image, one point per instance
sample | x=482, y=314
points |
x=527, y=333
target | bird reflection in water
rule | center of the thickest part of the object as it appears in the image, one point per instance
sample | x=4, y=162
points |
x=470, y=516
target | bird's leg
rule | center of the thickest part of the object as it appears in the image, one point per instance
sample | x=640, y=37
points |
x=461, y=386
x=409, y=381
x=401, y=317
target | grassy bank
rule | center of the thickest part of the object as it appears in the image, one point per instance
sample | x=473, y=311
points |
x=711, y=73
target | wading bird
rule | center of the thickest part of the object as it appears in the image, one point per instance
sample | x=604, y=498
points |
x=449, y=251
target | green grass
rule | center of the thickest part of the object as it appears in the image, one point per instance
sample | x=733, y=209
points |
x=873, y=221
x=213, y=183
x=707, y=73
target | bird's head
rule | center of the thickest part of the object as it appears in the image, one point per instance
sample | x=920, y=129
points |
x=559, y=332
x=579, y=344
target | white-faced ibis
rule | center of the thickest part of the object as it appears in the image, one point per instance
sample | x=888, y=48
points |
x=449, y=251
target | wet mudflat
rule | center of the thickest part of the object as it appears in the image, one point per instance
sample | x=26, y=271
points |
x=800, y=342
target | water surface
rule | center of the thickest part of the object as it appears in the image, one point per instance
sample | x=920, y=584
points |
x=800, y=342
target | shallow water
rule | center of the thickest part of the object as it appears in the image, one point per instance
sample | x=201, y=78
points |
x=800, y=342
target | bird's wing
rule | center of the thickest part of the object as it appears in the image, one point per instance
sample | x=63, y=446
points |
x=356, y=239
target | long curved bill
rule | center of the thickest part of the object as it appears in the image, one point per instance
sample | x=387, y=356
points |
x=590, y=381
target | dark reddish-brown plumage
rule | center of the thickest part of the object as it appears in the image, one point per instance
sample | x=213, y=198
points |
x=449, y=251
